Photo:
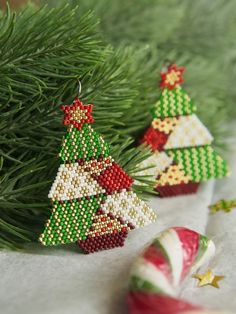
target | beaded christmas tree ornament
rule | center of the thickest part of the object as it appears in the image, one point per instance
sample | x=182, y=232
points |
x=92, y=201
x=182, y=155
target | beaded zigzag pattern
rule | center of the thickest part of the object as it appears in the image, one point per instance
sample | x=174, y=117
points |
x=92, y=203
x=211, y=164
x=173, y=103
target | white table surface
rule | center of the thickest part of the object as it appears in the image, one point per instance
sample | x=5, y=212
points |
x=60, y=281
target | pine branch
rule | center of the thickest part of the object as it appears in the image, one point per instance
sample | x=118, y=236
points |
x=43, y=54
x=196, y=34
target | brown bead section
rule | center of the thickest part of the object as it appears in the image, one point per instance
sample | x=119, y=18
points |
x=177, y=189
x=103, y=242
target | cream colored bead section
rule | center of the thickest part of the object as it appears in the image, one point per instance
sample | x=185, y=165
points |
x=174, y=175
x=166, y=125
x=72, y=181
x=189, y=132
x=127, y=205
x=154, y=165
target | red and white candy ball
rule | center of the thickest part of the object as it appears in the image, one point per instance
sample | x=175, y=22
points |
x=157, y=274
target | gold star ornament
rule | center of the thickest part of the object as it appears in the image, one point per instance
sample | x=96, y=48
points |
x=208, y=278
x=225, y=205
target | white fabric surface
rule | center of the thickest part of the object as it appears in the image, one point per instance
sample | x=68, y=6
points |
x=59, y=280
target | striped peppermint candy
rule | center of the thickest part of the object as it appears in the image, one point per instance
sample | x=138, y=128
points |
x=157, y=274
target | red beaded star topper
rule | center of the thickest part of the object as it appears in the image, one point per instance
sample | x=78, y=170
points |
x=77, y=114
x=172, y=77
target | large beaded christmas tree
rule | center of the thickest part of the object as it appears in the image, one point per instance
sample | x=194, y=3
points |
x=92, y=200
x=182, y=154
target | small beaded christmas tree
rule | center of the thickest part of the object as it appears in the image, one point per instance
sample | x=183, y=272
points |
x=93, y=203
x=182, y=155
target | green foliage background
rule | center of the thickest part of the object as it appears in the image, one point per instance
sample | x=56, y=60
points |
x=197, y=34
x=43, y=53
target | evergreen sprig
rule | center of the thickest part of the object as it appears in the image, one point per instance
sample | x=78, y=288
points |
x=196, y=34
x=43, y=54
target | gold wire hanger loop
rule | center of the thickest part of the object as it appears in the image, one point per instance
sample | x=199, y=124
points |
x=79, y=88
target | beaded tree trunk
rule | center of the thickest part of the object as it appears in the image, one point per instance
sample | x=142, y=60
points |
x=93, y=203
x=182, y=155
